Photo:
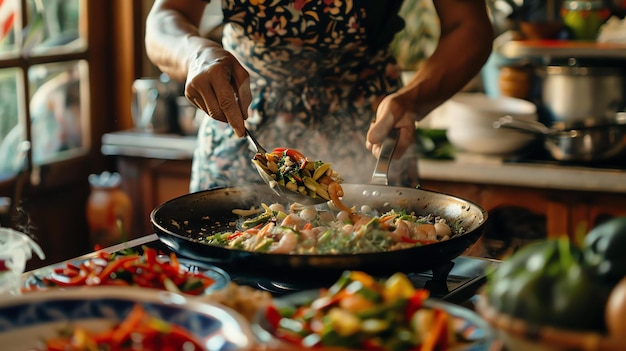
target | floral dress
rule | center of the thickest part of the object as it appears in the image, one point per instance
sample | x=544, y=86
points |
x=317, y=68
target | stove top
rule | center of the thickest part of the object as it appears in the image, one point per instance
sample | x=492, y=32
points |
x=455, y=282
x=542, y=156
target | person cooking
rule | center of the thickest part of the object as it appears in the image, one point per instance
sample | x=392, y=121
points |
x=317, y=76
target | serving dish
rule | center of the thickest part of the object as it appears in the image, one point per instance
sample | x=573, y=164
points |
x=473, y=115
x=477, y=332
x=49, y=276
x=28, y=318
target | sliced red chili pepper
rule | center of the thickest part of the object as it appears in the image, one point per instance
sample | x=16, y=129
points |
x=234, y=235
x=182, y=336
x=295, y=155
x=437, y=338
x=289, y=337
x=115, y=265
x=128, y=324
x=273, y=316
x=174, y=262
x=62, y=280
x=416, y=301
x=150, y=255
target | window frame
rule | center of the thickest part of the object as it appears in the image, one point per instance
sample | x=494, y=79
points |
x=112, y=58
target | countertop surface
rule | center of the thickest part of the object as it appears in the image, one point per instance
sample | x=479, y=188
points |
x=464, y=168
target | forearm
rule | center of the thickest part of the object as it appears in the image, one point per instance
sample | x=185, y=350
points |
x=463, y=49
x=172, y=37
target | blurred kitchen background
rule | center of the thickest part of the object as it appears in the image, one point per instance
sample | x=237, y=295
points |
x=91, y=131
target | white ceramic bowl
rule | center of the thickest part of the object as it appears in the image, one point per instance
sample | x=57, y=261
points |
x=471, y=117
x=31, y=317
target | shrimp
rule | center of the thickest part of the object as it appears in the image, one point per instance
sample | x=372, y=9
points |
x=309, y=237
x=336, y=192
x=402, y=230
x=286, y=244
x=425, y=231
x=293, y=221
x=442, y=230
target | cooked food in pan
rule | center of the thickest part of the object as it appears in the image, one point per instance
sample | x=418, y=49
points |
x=302, y=229
x=296, y=172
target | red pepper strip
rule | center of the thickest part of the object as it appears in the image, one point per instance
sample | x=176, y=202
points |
x=273, y=316
x=174, y=262
x=169, y=269
x=56, y=344
x=115, y=265
x=180, y=336
x=128, y=325
x=105, y=255
x=150, y=255
x=234, y=235
x=62, y=280
x=437, y=333
x=371, y=345
x=144, y=282
x=416, y=301
x=70, y=267
x=295, y=155
x=289, y=337
x=296, y=178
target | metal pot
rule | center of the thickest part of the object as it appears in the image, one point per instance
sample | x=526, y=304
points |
x=153, y=105
x=575, y=95
x=591, y=143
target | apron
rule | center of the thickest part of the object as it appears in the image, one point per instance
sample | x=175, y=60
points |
x=315, y=76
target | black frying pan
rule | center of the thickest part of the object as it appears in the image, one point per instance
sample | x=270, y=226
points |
x=181, y=221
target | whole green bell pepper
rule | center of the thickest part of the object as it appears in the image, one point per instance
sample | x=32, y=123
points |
x=546, y=283
x=605, y=250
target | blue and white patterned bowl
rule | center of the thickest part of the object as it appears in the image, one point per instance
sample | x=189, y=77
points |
x=28, y=318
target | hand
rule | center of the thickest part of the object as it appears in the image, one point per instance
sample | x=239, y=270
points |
x=218, y=84
x=391, y=113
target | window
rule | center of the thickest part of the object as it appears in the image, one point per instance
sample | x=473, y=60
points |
x=44, y=82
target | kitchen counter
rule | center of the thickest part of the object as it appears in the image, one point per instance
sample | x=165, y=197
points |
x=465, y=168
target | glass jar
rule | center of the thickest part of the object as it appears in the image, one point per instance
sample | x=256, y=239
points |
x=109, y=210
x=584, y=18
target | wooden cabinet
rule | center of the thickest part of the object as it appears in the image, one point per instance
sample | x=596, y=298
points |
x=150, y=182
x=562, y=212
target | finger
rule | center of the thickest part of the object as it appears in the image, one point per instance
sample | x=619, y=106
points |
x=378, y=132
x=245, y=96
x=405, y=140
x=382, y=125
x=228, y=101
x=210, y=106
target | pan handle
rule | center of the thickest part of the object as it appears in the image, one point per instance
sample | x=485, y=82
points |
x=381, y=171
